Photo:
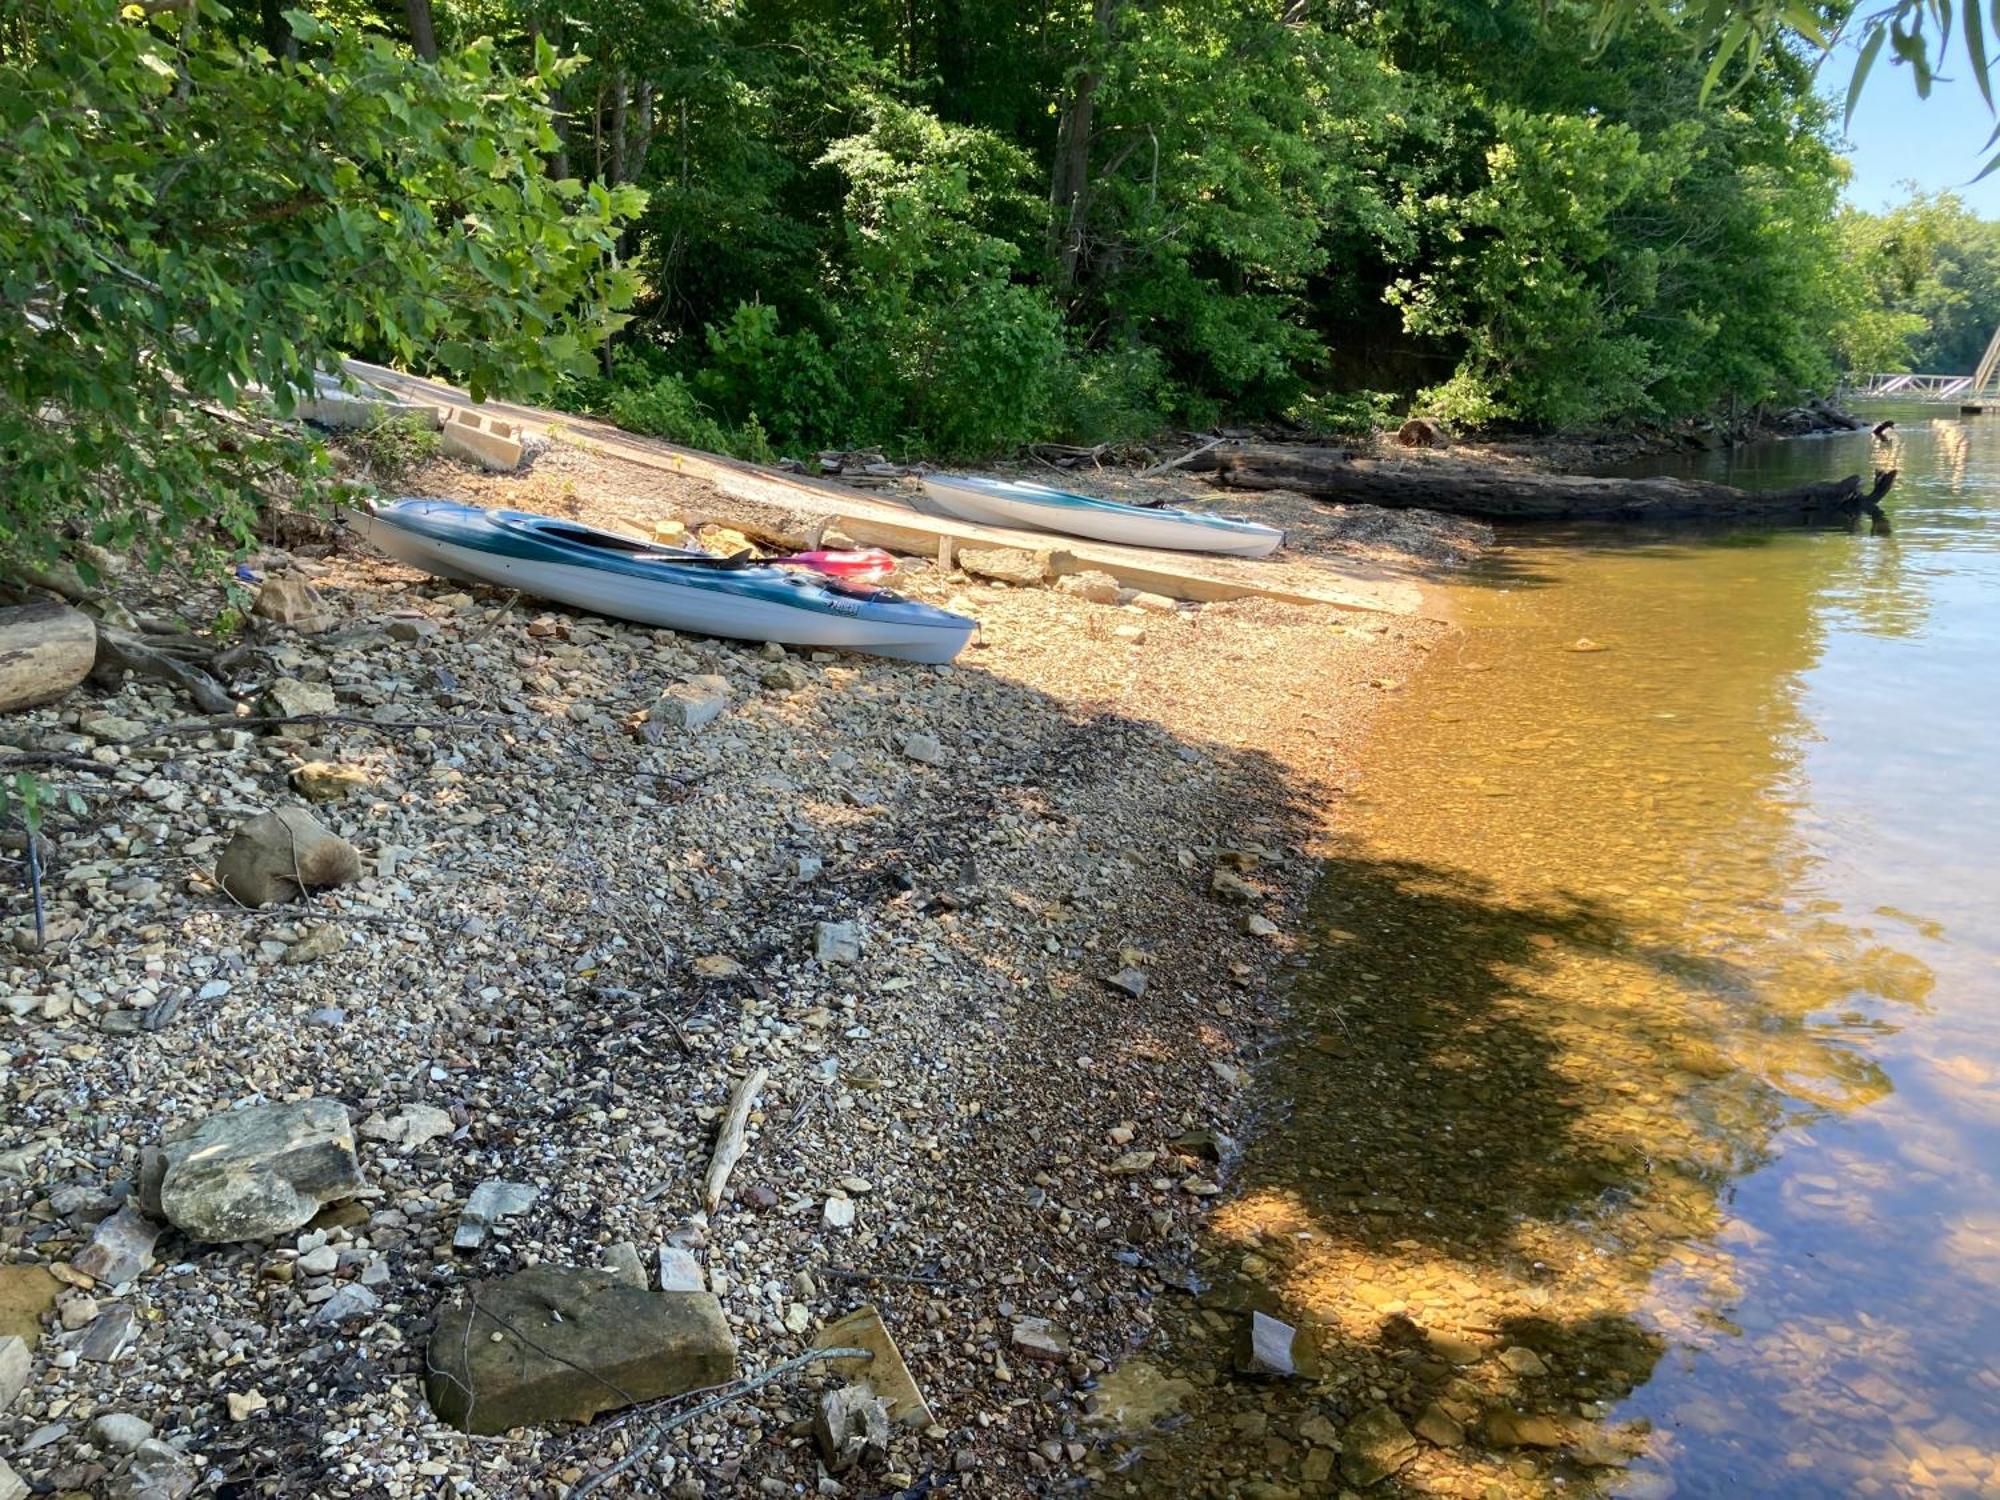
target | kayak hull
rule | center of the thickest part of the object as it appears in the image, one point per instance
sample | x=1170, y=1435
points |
x=612, y=575
x=1001, y=502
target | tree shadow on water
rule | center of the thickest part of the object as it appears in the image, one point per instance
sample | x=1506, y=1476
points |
x=1452, y=1193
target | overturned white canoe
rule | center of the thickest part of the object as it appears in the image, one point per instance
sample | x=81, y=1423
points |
x=1007, y=502
x=675, y=587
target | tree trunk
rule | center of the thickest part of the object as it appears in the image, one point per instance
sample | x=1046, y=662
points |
x=1512, y=495
x=423, y=35
x=641, y=144
x=1069, y=184
x=45, y=650
x=274, y=31
x=620, y=103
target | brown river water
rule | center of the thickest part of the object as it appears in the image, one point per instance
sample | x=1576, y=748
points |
x=1641, y=1133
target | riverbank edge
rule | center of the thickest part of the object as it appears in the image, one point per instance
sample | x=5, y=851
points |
x=1210, y=796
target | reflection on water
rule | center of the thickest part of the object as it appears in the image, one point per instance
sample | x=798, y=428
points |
x=1644, y=1134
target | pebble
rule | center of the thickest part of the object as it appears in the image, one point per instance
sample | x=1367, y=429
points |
x=120, y=1432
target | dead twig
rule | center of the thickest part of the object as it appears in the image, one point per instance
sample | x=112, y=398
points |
x=1174, y=463
x=28, y=760
x=126, y=653
x=276, y=721
x=736, y=1391
x=881, y=1278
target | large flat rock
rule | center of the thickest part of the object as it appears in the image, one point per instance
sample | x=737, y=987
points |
x=556, y=1344
x=253, y=1173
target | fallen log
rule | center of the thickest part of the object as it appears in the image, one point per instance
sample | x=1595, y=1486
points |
x=1524, y=495
x=45, y=650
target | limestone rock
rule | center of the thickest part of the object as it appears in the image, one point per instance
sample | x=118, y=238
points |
x=321, y=940
x=1158, y=604
x=852, y=1425
x=1015, y=565
x=553, y=1344
x=690, y=705
x=1038, y=1338
x=1132, y=981
x=1227, y=885
x=122, y=1248
x=1523, y=1360
x=159, y=1471
x=837, y=943
x=924, y=749
x=1375, y=1445
x=887, y=1375
x=121, y=1432
x=410, y=1127
x=275, y=851
x=784, y=677
x=350, y=1302
x=492, y=1201
x=1439, y=1427
x=1090, y=585
x=12, y=1485
x=1510, y=1429
x=15, y=1363
x=252, y=1173
x=327, y=780
x=680, y=1271
x=110, y=727
x=288, y=698
x=622, y=1261
x=110, y=1335
x=293, y=602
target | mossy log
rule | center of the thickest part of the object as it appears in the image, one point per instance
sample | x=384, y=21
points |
x=1525, y=495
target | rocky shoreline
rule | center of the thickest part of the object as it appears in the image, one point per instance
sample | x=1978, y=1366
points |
x=1001, y=938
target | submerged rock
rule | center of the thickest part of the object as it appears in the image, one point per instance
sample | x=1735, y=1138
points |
x=554, y=1344
x=1134, y=1396
x=1375, y=1445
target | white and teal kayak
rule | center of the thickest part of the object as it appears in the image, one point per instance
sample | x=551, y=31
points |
x=1008, y=502
x=677, y=587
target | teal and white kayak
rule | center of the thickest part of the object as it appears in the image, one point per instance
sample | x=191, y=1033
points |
x=677, y=587
x=1008, y=502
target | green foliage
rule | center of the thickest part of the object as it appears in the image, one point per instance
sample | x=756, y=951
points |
x=194, y=226
x=1352, y=414
x=1924, y=284
x=396, y=445
x=945, y=231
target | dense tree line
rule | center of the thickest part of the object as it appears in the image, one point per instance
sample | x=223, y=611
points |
x=941, y=226
x=956, y=225
x=1927, y=286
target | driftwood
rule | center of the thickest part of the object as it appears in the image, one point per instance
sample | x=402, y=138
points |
x=119, y=652
x=729, y=1143
x=45, y=650
x=1522, y=495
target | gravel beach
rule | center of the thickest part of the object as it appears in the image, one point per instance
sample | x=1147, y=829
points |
x=1004, y=938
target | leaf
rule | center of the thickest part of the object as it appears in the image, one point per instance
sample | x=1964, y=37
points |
x=1862, y=63
x=1975, y=49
